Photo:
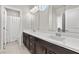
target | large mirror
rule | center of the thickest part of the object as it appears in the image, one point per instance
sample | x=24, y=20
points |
x=72, y=19
x=68, y=18
x=55, y=17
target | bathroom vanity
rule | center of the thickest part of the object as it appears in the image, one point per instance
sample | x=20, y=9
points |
x=37, y=44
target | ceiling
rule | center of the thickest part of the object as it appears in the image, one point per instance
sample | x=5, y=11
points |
x=31, y=6
x=22, y=6
x=58, y=6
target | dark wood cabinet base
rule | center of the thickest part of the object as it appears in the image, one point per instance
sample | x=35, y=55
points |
x=39, y=46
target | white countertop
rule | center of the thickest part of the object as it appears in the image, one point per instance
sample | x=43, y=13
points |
x=66, y=42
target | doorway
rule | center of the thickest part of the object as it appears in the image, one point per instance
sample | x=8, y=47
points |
x=10, y=26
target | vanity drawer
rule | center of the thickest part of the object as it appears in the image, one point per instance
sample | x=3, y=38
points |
x=32, y=44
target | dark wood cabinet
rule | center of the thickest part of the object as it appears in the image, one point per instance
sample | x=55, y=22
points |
x=40, y=49
x=50, y=51
x=26, y=40
x=32, y=44
x=55, y=49
x=39, y=46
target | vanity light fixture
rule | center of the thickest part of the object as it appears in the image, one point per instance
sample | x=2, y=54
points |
x=34, y=10
x=43, y=7
x=39, y=8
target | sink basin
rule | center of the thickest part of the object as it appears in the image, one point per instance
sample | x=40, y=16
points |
x=58, y=38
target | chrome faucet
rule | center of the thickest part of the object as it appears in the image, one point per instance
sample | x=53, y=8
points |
x=59, y=32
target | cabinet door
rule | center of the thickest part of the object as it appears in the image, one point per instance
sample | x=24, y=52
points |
x=39, y=48
x=28, y=41
x=24, y=39
x=32, y=44
x=44, y=50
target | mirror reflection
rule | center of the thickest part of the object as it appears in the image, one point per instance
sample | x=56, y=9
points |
x=55, y=17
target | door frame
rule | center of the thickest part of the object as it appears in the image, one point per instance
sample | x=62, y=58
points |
x=3, y=28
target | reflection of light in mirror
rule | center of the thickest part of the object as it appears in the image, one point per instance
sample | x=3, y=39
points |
x=59, y=21
x=43, y=7
x=39, y=8
x=30, y=16
x=34, y=10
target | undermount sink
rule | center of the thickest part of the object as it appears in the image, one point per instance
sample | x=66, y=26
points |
x=58, y=38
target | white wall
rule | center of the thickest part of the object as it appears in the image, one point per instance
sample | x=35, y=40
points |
x=44, y=20
x=26, y=22
x=0, y=25
x=54, y=19
x=36, y=22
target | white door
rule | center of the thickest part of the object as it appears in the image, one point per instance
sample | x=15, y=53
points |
x=3, y=27
x=12, y=26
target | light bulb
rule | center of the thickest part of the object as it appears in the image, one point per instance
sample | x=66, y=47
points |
x=43, y=7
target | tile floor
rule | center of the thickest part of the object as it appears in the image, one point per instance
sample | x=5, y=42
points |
x=14, y=48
